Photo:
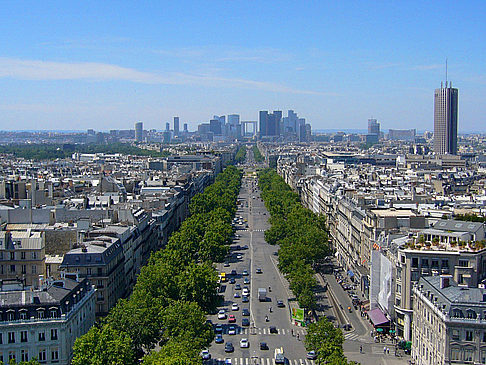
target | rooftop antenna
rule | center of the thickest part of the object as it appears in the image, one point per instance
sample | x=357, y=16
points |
x=446, y=72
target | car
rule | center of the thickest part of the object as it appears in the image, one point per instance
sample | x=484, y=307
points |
x=259, y=271
x=263, y=346
x=280, y=304
x=245, y=299
x=245, y=273
x=219, y=338
x=245, y=322
x=245, y=292
x=245, y=247
x=239, y=257
x=244, y=344
x=228, y=347
x=222, y=314
x=273, y=329
x=245, y=312
x=231, y=318
x=311, y=355
x=226, y=264
x=218, y=328
x=246, y=281
x=236, y=295
x=232, y=281
x=237, y=287
x=233, y=272
x=227, y=361
x=234, y=307
x=232, y=330
x=347, y=327
x=205, y=354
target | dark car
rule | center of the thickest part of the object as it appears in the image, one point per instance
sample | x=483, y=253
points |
x=229, y=347
x=280, y=304
x=219, y=338
x=245, y=299
x=237, y=287
x=232, y=281
x=273, y=329
x=218, y=328
x=311, y=355
x=233, y=272
x=259, y=271
x=245, y=312
x=263, y=346
x=245, y=247
x=245, y=322
x=245, y=273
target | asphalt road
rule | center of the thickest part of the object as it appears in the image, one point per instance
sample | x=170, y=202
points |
x=260, y=255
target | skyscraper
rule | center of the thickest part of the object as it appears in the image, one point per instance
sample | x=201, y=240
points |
x=270, y=123
x=373, y=126
x=176, y=126
x=138, y=131
x=167, y=126
x=445, y=119
x=185, y=128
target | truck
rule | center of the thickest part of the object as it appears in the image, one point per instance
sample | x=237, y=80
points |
x=262, y=294
x=279, y=356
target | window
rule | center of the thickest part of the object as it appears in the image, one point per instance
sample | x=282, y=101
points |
x=42, y=355
x=34, y=255
x=24, y=355
x=100, y=271
x=11, y=316
x=469, y=336
x=425, y=262
x=399, y=288
x=41, y=314
x=455, y=334
x=12, y=268
x=415, y=276
x=11, y=337
x=53, y=313
x=34, y=269
x=11, y=356
x=403, y=259
x=88, y=271
x=12, y=255
x=1, y=338
x=23, y=336
x=42, y=336
x=455, y=354
x=55, y=355
x=24, y=269
x=54, y=334
x=463, y=263
x=483, y=357
x=414, y=262
x=23, y=315
x=444, y=264
x=468, y=355
x=22, y=255
x=471, y=314
x=435, y=263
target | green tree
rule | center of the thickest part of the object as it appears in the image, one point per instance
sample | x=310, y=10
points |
x=175, y=352
x=326, y=340
x=103, y=346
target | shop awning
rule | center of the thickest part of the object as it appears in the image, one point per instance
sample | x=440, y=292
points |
x=377, y=317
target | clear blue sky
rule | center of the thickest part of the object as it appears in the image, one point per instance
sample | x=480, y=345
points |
x=104, y=65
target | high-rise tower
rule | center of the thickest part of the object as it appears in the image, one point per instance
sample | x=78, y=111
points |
x=138, y=131
x=176, y=126
x=445, y=119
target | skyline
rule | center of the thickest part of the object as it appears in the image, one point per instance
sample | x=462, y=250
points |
x=106, y=66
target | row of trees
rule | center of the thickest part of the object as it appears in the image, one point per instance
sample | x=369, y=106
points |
x=257, y=154
x=303, y=240
x=54, y=151
x=301, y=234
x=241, y=154
x=174, y=291
x=468, y=217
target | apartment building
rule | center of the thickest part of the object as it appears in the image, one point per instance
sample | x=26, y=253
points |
x=450, y=322
x=44, y=323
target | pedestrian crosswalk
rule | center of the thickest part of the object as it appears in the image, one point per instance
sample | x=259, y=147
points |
x=256, y=360
x=351, y=336
x=265, y=331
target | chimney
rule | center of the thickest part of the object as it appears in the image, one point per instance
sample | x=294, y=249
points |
x=445, y=281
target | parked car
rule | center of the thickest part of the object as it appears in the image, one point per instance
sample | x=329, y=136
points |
x=219, y=338
x=232, y=330
x=311, y=355
x=246, y=281
x=263, y=346
x=229, y=347
x=245, y=322
x=205, y=354
x=231, y=318
x=245, y=312
x=222, y=314
x=237, y=287
x=245, y=299
x=218, y=328
x=234, y=307
x=245, y=273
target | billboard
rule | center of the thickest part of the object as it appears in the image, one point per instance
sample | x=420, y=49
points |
x=298, y=314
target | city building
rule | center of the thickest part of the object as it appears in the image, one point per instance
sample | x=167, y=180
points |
x=176, y=126
x=139, y=131
x=450, y=322
x=445, y=119
x=44, y=323
x=407, y=135
x=373, y=126
x=270, y=123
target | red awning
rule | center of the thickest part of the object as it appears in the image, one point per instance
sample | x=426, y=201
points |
x=377, y=317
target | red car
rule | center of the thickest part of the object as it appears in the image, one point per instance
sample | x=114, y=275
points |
x=231, y=318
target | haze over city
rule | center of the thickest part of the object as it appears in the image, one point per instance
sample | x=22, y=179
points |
x=105, y=65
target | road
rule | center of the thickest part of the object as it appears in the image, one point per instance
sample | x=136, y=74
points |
x=259, y=255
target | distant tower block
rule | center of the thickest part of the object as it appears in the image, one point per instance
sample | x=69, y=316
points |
x=176, y=126
x=138, y=131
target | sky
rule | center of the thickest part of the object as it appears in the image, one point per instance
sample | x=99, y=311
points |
x=75, y=65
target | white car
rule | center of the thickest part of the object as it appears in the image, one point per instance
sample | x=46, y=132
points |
x=244, y=343
x=222, y=314
x=227, y=362
x=245, y=292
x=205, y=354
x=234, y=307
x=232, y=330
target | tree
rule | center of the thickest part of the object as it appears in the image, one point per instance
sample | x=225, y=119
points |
x=174, y=352
x=326, y=340
x=103, y=346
